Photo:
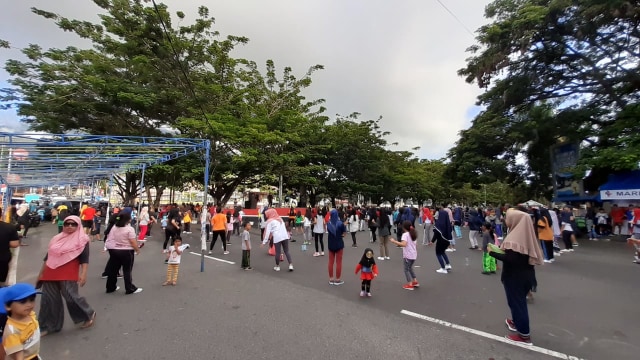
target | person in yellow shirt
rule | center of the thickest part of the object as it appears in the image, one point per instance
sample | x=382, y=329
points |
x=186, y=220
x=21, y=336
x=219, y=227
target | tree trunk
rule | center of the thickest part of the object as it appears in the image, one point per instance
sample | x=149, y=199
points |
x=128, y=188
x=304, y=197
x=159, y=192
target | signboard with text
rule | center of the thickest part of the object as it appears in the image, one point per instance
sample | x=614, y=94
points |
x=630, y=194
x=564, y=158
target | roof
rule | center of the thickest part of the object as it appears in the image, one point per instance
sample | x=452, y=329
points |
x=58, y=159
x=627, y=180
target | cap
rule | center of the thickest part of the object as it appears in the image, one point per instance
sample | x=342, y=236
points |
x=17, y=292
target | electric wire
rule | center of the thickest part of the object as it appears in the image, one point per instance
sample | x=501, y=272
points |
x=456, y=18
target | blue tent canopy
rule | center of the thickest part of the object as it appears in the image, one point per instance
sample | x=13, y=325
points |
x=622, y=186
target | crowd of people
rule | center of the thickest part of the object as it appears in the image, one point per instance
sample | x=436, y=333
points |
x=518, y=237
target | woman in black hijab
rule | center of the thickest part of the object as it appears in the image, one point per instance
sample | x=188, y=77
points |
x=442, y=237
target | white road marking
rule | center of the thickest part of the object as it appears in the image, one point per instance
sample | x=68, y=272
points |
x=212, y=258
x=501, y=339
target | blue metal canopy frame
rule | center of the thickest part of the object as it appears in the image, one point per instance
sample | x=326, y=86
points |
x=34, y=160
x=31, y=160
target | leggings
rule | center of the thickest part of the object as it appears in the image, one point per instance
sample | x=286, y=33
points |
x=214, y=238
x=366, y=286
x=143, y=232
x=566, y=238
x=408, y=269
x=282, y=246
x=353, y=238
x=318, y=237
x=335, y=257
x=373, y=233
x=168, y=234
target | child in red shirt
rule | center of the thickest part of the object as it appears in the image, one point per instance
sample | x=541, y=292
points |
x=368, y=270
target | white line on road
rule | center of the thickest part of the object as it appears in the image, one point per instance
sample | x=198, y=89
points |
x=538, y=349
x=212, y=258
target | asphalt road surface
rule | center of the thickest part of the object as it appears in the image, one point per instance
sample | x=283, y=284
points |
x=586, y=306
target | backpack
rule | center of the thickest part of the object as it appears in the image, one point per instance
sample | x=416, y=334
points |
x=63, y=214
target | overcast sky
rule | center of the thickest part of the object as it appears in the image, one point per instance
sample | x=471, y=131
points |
x=395, y=59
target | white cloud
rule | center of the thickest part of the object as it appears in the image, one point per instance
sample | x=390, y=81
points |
x=396, y=59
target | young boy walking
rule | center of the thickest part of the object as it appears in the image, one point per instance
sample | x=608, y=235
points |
x=246, y=247
x=174, y=254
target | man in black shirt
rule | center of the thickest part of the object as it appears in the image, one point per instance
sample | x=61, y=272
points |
x=8, y=239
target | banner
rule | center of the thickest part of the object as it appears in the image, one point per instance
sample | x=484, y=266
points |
x=564, y=158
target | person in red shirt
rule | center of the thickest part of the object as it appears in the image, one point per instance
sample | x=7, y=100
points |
x=86, y=215
x=617, y=217
x=64, y=268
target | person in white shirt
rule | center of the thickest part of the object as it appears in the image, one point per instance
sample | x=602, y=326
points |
x=276, y=229
x=174, y=255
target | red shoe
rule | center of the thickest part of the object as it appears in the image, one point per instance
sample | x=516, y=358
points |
x=517, y=339
x=415, y=284
x=510, y=325
x=407, y=286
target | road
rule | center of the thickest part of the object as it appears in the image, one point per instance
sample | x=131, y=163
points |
x=586, y=306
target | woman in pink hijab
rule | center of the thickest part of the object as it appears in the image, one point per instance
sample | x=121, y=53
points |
x=65, y=267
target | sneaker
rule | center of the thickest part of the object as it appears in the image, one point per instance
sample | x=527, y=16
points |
x=380, y=258
x=209, y=252
x=546, y=261
x=557, y=254
x=387, y=258
x=330, y=281
x=517, y=339
x=571, y=250
x=447, y=267
x=510, y=325
x=369, y=294
x=338, y=282
x=449, y=250
x=249, y=268
x=354, y=246
x=103, y=276
x=290, y=267
x=315, y=254
x=575, y=245
x=138, y=291
x=442, y=271
x=321, y=253
x=276, y=268
x=362, y=293
x=415, y=284
x=407, y=287
x=226, y=253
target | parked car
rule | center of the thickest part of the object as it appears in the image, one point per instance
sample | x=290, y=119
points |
x=72, y=205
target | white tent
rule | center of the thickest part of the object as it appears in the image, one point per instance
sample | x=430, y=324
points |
x=533, y=203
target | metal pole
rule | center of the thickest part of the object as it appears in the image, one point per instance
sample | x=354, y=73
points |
x=144, y=167
x=203, y=228
x=106, y=219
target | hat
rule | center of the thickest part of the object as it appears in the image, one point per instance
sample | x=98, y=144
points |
x=17, y=292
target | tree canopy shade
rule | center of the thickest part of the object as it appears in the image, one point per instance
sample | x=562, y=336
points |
x=554, y=70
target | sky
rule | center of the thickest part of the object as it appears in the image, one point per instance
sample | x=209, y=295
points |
x=394, y=59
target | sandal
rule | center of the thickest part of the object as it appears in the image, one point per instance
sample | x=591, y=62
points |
x=88, y=323
x=173, y=283
x=166, y=283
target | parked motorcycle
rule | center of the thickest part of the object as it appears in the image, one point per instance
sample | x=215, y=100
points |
x=34, y=219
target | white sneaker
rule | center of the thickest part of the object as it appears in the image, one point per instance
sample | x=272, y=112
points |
x=442, y=271
x=209, y=252
x=226, y=253
x=557, y=254
x=290, y=267
x=321, y=253
x=276, y=268
x=316, y=254
x=449, y=250
x=138, y=291
x=547, y=261
x=387, y=258
x=447, y=267
x=380, y=258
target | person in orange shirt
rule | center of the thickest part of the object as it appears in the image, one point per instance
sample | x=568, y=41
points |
x=219, y=228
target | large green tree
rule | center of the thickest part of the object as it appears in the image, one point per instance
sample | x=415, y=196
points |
x=555, y=71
